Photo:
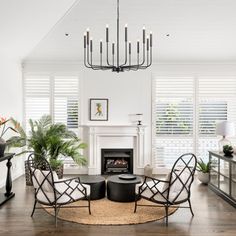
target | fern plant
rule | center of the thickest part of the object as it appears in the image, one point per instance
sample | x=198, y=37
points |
x=203, y=167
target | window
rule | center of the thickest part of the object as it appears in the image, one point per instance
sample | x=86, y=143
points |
x=53, y=95
x=216, y=103
x=185, y=113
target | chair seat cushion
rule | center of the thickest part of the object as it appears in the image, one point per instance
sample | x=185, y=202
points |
x=65, y=193
x=149, y=191
x=158, y=191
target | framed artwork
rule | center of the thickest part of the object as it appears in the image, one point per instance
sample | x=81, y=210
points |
x=98, y=109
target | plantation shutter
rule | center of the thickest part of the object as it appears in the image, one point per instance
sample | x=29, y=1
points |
x=37, y=97
x=52, y=95
x=217, y=102
x=173, y=126
x=66, y=100
x=185, y=114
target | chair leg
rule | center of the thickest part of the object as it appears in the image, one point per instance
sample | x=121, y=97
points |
x=190, y=206
x=166, y=209
x=135, y=206
x=89, y=205
x=35, y=202
x=55, y=210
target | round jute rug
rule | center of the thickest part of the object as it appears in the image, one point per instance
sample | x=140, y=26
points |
x=105, y=212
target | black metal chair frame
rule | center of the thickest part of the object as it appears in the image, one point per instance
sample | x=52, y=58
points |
x=48, y=178
x=175, y=175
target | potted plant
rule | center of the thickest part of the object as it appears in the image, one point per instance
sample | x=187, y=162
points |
x=203, y=169
x=51, y=141
x=14, y=141
x=228, y=150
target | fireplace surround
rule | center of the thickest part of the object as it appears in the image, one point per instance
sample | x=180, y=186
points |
x=100, y=137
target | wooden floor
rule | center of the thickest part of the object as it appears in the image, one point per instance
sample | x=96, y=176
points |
x=213, y=216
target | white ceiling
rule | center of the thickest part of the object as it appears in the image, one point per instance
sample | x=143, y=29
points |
x=200, y=30
x=24, y=23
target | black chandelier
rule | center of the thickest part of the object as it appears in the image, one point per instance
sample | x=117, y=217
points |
x=144, y=59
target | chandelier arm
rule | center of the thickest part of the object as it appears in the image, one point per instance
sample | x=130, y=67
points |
x=107, y=67
x=134, y=66
x=89, y=63
x=113, y=60
x=85, y=42
x=94, y=67
x=101, y=59
x=91, y=60
x=137, y=60
x=150, y=57
x=144, y=67
x=148, y=47
x=85, y=59
x=144, y=53
x=126, y=51
x=97, y=67
x=108, y=63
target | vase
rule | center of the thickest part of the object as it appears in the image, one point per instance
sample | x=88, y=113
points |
x=148, y=170
x=204, y=177
x=3, y=145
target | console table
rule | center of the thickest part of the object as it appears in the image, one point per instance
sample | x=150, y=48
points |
x=8, y=194
x=223, y=176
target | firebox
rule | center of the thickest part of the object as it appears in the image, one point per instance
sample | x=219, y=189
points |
x=116, y=161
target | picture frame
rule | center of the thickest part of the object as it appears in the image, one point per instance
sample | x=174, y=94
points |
x=98, y=109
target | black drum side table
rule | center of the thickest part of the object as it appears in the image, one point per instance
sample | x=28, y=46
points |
x=119, y=190
x=4, y=197
x=97, y=185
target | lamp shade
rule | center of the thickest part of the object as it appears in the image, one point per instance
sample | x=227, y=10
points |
x=225, y=128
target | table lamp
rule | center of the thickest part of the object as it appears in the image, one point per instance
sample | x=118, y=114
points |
x=225, y=128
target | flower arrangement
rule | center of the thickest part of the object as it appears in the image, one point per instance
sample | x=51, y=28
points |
x=14, y=141
x=5, y=128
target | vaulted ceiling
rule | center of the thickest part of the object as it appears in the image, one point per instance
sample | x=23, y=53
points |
x=24, y=23
x=184, y=30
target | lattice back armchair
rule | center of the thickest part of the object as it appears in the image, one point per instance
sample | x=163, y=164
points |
x=51, y=191
x=172, y=191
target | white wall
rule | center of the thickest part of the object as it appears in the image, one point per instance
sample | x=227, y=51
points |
x=11, y=106
x=128, y=92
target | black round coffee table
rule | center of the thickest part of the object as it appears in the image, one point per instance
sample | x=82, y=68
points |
x=120, y=190
x=97, y=186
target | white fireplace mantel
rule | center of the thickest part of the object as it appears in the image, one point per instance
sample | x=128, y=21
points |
x=114, y=136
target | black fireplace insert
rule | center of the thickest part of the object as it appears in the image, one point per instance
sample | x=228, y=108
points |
x=115, y=161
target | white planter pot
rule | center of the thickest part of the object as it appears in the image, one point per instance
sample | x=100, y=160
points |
x=203, y=177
